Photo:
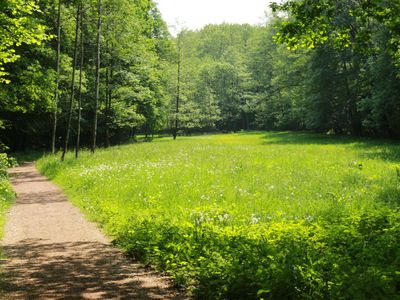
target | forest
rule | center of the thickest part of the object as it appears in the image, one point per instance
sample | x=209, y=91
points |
x=112, y=72
x=262, y=147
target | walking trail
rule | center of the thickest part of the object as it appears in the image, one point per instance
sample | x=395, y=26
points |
x=52, y=252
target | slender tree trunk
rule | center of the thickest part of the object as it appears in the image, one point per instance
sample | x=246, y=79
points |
x=108, y=92
x=78, y=131
x=106, y=113
x=108, y=104
x=209, y=108
x=178, y=87
x=96, y=106
x=53, y=137
x=134, y=133
x=71, y=100
x=351, y=106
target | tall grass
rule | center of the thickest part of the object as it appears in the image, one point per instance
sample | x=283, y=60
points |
x=241, y=215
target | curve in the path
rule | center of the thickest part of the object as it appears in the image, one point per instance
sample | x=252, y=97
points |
x=52, y=252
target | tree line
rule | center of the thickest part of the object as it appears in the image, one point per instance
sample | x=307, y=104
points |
x=325, y=66
x=91, y=74
x=85, y=73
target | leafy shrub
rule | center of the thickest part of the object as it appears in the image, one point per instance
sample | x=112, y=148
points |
x=7, y=194
x=357, y=257
x=5, y=163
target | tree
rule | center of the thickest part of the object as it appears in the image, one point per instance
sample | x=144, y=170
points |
x=381, y=107
x=98, y=62
x=72, y=94
x=178, y=87
x=136, y=56
x=56, y=92
x=343, y=23
x=78, y=131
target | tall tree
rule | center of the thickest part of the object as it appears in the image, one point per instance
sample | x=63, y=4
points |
x=78, y=131
x=72, y=95
x=108, y=91
x=56, y=92
x=178, y=88
x=98, y=62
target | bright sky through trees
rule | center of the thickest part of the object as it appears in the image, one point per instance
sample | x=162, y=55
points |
x=194, y=14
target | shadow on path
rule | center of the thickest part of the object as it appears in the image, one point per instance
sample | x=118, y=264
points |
x=73, y=271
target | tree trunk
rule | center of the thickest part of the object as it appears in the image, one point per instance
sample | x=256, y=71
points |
x=178, y=87
x=133, y=133
x=71, y=100
x=96, y=106
x=53, y=137
x=108, y=100
x=108, y=92
x=107, y=111
x=78, y=131
x=109, y=104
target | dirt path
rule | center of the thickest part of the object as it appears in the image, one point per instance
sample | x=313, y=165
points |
x=52, y=252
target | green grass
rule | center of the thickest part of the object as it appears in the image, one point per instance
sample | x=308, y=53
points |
x=250, y=216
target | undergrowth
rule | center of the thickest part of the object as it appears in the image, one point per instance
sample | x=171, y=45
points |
x=250, y=216
x=7, y=194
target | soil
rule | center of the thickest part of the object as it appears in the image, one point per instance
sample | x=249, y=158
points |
x=52, y=252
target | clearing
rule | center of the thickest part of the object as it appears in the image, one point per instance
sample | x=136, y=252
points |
x=250, y=215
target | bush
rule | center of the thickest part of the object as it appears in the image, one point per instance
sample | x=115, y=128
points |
x=355, y=257
x=5, y=163
x=7, y=194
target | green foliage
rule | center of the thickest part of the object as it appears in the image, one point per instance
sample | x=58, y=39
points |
x=355, y=257
x=215, y=80
x=343, y=24
x=236, y=77
x=233, y=77
x=5, y=163
x=135, y=47
x=7, y=194
x=17, y=27
x=250, y=216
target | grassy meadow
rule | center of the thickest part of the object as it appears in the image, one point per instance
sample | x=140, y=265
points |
x=250, y=215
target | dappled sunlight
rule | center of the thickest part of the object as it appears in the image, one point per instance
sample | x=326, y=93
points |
x=36, y=268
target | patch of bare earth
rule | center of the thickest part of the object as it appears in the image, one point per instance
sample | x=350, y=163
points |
x=52, y=252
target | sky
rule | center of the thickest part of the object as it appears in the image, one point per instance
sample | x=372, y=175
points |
x=194, y=14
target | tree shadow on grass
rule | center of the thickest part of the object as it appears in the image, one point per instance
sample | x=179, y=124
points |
x=34, y=269
x=369, y=148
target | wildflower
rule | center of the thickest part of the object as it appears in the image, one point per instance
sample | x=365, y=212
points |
x=254, y=219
